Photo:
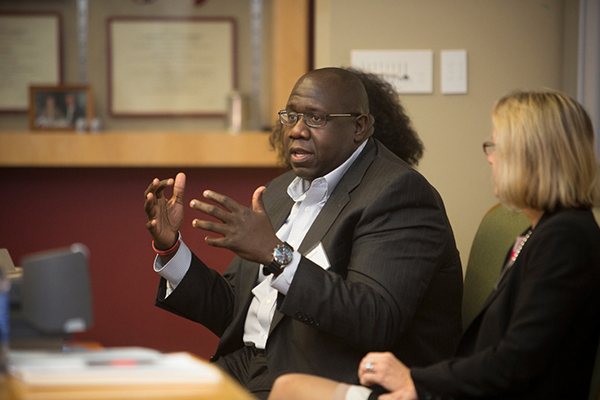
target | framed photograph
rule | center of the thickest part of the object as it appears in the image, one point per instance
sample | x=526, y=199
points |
x=161, y=67
x=63, y=107
x=31, y=55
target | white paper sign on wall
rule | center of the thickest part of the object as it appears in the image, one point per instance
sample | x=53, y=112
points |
x=409, y=71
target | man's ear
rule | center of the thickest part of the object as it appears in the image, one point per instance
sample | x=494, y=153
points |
x=363, y=127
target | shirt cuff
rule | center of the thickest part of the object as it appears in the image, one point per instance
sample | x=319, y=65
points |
x=176, y=268
x=284, y=280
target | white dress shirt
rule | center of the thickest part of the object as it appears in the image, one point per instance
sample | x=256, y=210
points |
x=309, y=199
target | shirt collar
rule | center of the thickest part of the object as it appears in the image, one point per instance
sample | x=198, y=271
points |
x=299, y=187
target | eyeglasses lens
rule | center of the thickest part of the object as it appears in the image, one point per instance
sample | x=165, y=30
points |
x=314, y=120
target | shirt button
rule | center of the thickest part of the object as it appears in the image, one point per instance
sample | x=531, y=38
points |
x=307, y=209
x=265, y=337
x=268, y=301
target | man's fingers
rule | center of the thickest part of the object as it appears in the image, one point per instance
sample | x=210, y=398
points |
x=162, y=185
x=210, y=226
x=212, y=210
x=215, y=242
x=225, y=201
x=152, y=187
x=149, y=202
x=151, y=225
x=157, y=187
x=153, y=193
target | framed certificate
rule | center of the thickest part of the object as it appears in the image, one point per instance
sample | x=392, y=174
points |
x=30, y=54
x=170, y=66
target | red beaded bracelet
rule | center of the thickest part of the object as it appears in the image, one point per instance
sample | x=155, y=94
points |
x=167, y=252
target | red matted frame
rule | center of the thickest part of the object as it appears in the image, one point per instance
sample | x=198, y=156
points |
x=19, y=73
x=60, y=108
x=181, y=89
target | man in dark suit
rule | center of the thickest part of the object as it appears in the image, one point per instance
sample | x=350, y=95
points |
x=349, y=252
x=73, y=111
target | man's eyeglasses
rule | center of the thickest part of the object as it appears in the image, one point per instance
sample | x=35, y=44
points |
x=488, y=148
x=312, y=119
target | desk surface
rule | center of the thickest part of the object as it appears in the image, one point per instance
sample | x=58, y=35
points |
x=227, y=389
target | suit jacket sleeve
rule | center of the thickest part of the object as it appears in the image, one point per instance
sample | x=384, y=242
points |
x=203, y=296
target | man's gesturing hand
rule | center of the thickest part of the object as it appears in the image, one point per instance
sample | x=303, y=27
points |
x=165, y=216
x=246, y=232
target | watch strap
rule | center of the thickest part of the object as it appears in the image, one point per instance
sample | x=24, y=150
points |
x=275, y=267
x=272, y=268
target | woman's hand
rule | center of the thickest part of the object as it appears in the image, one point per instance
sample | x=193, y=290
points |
x=385, y=370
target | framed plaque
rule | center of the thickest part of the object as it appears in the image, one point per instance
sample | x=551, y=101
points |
x=170, y=66
x=30, y=54
x=62, y=108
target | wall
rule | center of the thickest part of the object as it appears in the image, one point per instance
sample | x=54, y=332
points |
x=47, y=208
x=511, y=44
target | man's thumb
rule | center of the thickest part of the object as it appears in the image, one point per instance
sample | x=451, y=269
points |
x=257, y=201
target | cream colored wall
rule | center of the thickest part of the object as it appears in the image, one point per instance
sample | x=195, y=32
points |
x=511, y=44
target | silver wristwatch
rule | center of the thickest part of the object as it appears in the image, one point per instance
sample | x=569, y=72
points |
x=282, y=256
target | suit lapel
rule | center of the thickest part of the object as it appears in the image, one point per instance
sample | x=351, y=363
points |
x=332, y=209
x=504, y=279
x=277, y=202
x=472, y=330
x=339, y=198
x=278, y=205
x=324, y=220
x=498, y=290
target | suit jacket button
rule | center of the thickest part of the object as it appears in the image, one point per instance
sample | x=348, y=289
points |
x=317, y=323
x=299, y=315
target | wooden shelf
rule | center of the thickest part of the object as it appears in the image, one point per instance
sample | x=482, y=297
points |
x=136, y=149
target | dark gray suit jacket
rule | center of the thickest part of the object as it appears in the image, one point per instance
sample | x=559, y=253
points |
x=537, y=334
x=395, y=281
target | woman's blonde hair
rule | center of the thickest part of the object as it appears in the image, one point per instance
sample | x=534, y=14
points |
x=544, y=155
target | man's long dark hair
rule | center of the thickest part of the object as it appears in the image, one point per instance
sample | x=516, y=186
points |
x=393, y=127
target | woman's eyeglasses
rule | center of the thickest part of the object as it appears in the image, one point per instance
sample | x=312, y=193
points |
x=488, y=148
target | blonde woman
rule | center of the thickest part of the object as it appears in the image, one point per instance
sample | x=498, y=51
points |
x=536, y=335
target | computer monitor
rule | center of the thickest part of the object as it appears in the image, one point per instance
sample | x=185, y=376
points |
x=55, y=291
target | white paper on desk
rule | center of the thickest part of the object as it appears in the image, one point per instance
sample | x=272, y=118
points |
x=319, y=257
x=107, y=367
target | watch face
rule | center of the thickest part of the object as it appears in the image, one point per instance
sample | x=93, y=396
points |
x=283, y=254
